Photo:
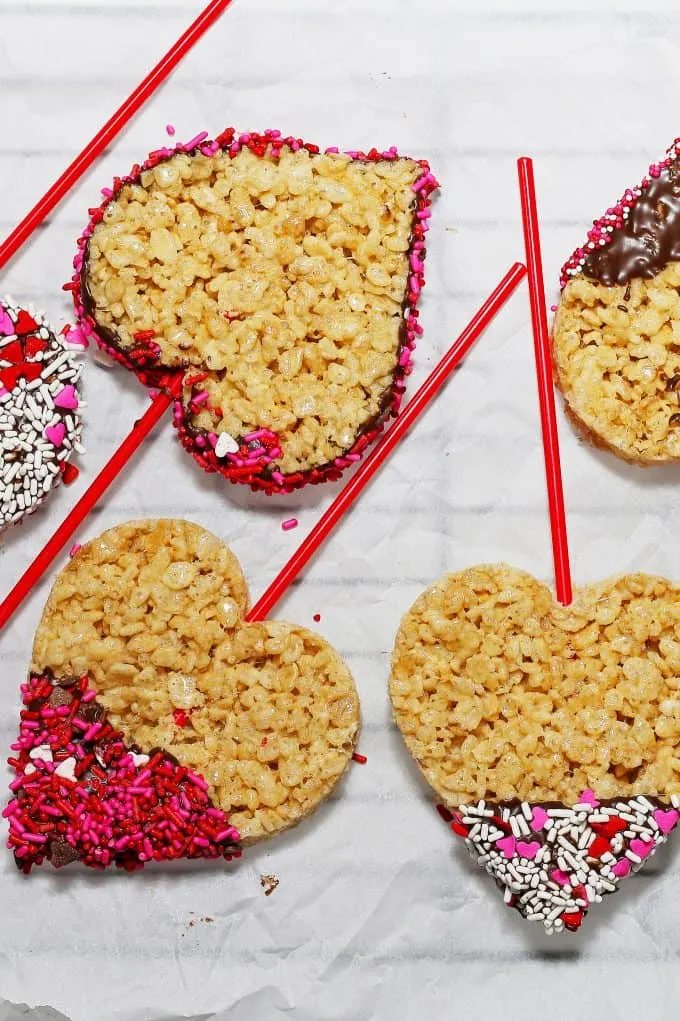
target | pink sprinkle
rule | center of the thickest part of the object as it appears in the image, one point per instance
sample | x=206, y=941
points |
x=170, y=128
x=289, y=523
x=88, y=696
x=74, y=549
x=76, y=337
x=198, y=781
x=196, y=140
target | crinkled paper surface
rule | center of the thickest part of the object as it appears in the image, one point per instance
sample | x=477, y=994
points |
x=378, y=914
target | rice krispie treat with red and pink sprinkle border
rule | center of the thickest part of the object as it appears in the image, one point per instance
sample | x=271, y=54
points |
x=279, y=281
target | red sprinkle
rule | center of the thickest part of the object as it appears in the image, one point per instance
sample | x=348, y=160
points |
x=69, y=473
x=361, y=759
x=316, y=617
x=198, y=377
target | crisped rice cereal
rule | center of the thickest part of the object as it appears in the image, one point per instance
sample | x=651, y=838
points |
x=284, y=279
x=500, y=693
x=153, y=612
x=617, y=362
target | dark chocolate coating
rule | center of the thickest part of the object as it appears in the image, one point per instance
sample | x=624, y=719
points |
x=648, y=240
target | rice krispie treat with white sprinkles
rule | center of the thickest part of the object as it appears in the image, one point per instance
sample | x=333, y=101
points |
x=40, y=410
x=550, y=734
x=280, y=282
x=182, y=730
x=615, y=336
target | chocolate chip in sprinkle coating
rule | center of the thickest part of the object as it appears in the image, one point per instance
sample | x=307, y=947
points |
x=281, y=281
x=40, y=410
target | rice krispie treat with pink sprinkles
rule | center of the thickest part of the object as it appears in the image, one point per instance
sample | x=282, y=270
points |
x=280, y=282
x=40, y=410
x=157, y=723
x=616, y=333
x=551, y=734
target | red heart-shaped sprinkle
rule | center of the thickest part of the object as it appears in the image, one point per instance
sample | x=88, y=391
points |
x=599, y=846
x=69, y=472
x=32, y=345
x=609, y=828
x=13, y=353
x=572, y=919
x=25, y=323
x=10, y=376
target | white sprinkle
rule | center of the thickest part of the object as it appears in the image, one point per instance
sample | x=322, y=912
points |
x=226, y=444
x=43, y=752
x=67, y=769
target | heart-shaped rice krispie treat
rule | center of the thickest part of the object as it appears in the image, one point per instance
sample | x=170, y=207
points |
x=279, y=281
x=551, y=734
x=180, y=729
x=616, y=336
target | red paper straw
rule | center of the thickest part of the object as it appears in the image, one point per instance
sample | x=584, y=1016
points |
x=384, y=448
x=95, y=148
x=546, y=394
x=87, y=501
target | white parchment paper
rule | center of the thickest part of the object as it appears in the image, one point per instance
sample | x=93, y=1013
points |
x=378, y=915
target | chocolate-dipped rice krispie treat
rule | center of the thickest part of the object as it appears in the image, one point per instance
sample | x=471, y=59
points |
x=40, y=411
x=550, y=734
x=183, y=730
x=280, y=281
x=616, y=333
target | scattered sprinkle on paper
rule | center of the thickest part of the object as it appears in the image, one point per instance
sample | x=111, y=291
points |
x=268, y=884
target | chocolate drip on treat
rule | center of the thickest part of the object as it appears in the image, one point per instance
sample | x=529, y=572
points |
x=648, y=240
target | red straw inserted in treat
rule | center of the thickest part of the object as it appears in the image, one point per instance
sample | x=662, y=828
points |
x=546, y=394
x=88, y=500
x=96, y=147
x=384, y=448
